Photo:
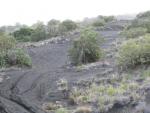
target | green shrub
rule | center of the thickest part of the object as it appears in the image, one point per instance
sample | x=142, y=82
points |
x=109, y=18
x=23, y=59
x=23, y=34
x=134, y=52
x=2, y=59
x=61, y=110
x=134, y=32
x=99, y=23
x=86, y=48
x=9, y=55
x=15, y=57
x=6, y=42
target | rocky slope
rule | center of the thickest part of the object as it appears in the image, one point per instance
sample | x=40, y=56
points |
x=25, y=90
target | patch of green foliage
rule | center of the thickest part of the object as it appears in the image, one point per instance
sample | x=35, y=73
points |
x=102, y=20
x=2, y=59
x=106, y=94
x=39, y=32
x=99, y=23
x=142, y=20
x=134, y=32
x=66, y=26
x=61, y=110
x=23, y=34
x=6, y=42
x=10, y=55
x=134, y=52
x=109, y=18
x=23, y=59
x=85, y=49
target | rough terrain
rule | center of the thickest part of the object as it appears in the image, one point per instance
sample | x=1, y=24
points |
x=25, y=90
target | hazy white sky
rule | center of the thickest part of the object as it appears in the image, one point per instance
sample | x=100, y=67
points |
x=30, y=11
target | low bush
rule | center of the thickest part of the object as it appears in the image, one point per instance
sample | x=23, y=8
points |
x=10, y=55
x=109, y=18
x=99, y=23
x=134, y=52
x=134, y=32
x=85, y=49
x=23, y=34
x=22, y=58
x=15, y=57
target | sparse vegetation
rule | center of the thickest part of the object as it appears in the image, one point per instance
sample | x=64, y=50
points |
x=51, y=106
x=61, y=110
x=86, y=49
x=83, y=109
x=106, y=94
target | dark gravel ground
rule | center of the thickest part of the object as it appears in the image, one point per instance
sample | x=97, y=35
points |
x=26, y=89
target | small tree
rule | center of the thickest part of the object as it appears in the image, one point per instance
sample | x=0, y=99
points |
x=53, y=28
x=39, y=32
x=86, y=48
